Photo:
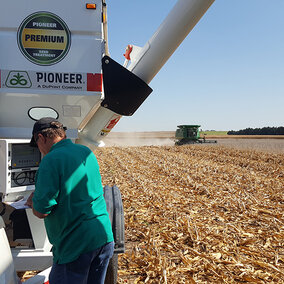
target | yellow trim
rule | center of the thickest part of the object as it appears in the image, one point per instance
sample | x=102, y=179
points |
x=42, y=38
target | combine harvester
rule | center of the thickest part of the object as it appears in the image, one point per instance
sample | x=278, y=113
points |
x=55, y=62
x=189, y=134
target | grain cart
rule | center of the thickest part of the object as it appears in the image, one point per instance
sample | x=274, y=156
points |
x=55, y=62
x=189, y=134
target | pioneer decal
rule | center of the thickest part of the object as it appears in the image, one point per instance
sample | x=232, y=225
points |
x=18, y=79
x=64, y=81
x=44, y=38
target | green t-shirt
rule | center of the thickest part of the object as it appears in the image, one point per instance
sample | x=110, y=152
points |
x=69, y=189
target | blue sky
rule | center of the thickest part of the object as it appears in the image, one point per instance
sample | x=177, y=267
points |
x=228, y=74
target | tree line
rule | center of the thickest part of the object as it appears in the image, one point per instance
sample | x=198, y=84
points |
x=259, y=131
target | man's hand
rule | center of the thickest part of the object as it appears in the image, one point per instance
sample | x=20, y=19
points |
x=29, y=201
x=39, y=215
x=30, y=204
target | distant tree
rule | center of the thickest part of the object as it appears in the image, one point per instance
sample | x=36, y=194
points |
x=259, y=131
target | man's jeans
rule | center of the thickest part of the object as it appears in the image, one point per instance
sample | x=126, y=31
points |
x=89, y=268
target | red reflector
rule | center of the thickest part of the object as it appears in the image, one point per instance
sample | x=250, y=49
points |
x=94, y=82
x=91, y=6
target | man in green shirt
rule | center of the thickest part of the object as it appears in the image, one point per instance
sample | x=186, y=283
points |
x=69, y=196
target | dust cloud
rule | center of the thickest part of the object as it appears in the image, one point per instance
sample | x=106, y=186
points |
x=126, y=139
x=166, y=138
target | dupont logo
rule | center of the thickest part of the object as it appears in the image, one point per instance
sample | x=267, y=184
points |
x=44, y=38
x=18, y=79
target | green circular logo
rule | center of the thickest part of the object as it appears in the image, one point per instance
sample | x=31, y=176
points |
x=44, y=38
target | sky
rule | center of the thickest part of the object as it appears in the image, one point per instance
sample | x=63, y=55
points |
x=228, y=74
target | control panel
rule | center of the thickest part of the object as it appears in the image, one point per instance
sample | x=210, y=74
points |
x=18, y=165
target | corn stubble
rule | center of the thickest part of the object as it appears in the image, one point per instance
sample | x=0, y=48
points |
x=199, y=214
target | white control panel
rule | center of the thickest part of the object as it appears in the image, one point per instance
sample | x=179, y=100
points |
x=18, y=165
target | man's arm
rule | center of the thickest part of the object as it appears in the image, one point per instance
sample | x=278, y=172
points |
x=38, y=214
x=30, y=204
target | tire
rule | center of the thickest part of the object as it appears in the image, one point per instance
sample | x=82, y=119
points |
x=111, y=275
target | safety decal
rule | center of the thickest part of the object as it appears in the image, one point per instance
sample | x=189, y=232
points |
x=111, y=123
x=44, y=38
x=63, y=81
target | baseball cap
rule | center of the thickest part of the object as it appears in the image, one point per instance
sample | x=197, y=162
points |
x=44, y=123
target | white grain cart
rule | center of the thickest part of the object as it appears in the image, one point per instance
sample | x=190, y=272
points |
x=54, y=61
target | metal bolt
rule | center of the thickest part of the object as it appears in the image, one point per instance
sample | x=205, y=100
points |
x=107, y=61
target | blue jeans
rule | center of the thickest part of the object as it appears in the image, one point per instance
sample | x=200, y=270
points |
x=89, y=268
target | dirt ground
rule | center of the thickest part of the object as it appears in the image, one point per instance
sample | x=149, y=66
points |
x=199, y=213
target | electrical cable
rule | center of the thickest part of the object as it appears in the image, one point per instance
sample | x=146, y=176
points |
x=20, y=179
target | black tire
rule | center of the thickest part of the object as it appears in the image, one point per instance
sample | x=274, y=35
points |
x=111, y=275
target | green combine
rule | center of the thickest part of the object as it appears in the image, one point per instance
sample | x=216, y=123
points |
x=189, y=134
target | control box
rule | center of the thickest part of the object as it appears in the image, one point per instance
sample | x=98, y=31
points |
x=18, y=165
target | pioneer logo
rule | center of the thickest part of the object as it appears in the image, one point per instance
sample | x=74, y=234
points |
x=44, y=38
x=18, y=79
x=62, y=78
x=60, y=81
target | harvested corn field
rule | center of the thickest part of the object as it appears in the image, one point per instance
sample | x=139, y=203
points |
x=199, y=214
